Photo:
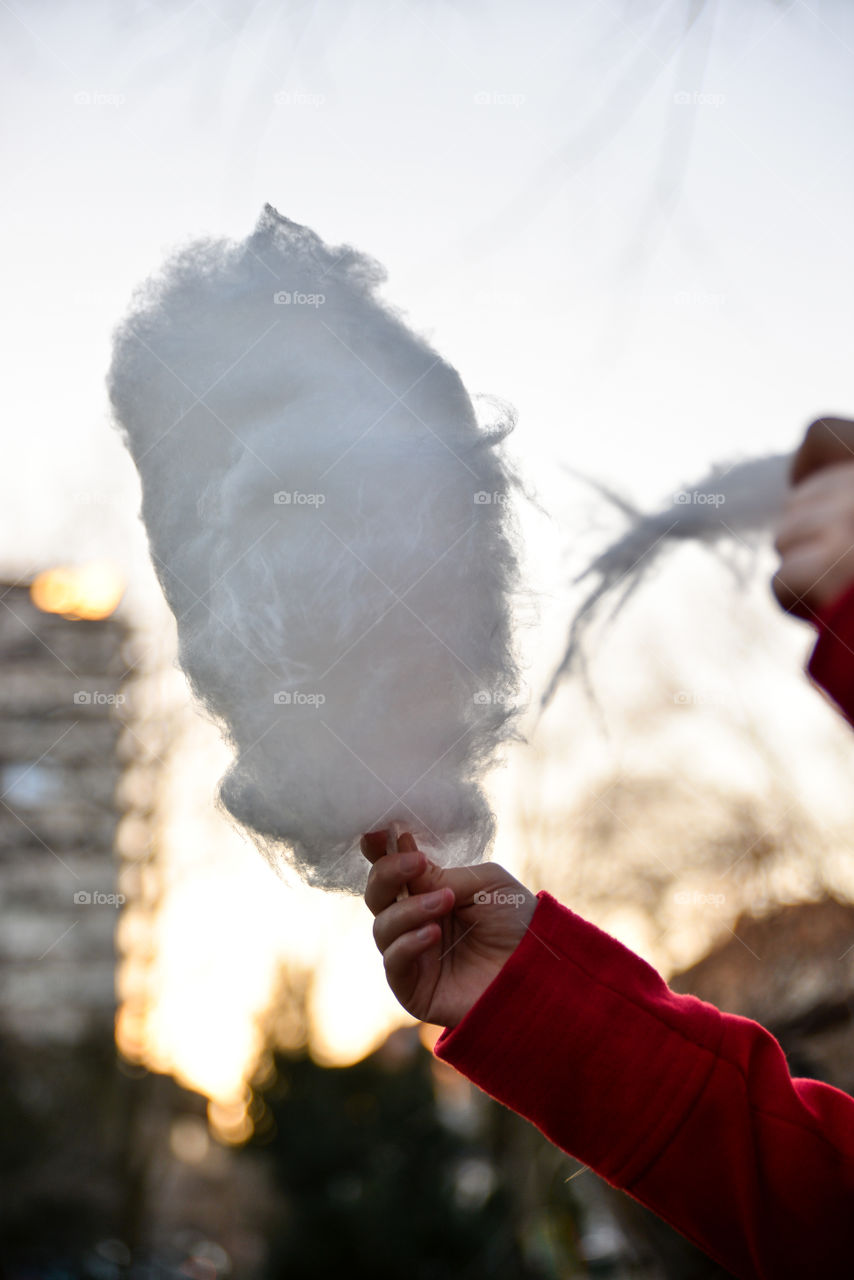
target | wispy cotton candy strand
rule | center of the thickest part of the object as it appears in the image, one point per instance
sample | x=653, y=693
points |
x=732, y=500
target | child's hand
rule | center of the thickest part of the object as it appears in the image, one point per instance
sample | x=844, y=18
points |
x=815, y=536
x=439, y=959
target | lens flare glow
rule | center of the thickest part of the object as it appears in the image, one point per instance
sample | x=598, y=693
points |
x=88, y=591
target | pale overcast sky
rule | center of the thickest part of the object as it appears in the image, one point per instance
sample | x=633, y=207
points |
x=513, y=168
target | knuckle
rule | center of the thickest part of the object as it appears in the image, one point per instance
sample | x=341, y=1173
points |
x=789, y=547
x=380, y=868
x=390, y=958
x=372, y=896
x=380, y=878
x=834, y=542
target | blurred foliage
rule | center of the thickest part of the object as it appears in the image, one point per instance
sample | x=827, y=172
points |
x=59, y=1149
x=378, y=1183
x=84, y=1140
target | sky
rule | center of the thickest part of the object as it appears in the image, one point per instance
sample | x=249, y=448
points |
x=633, y=228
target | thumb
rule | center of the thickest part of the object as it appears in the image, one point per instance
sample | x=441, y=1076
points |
x=374, y=846
x=432, y=877
x=470, y=885
x=828, y=442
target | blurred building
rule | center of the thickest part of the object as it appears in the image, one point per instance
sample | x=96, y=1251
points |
x=104, y=1164
x=60, y=692
x=792, y=971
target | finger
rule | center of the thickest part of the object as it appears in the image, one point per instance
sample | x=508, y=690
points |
x=827, y=442
x=804, y=581
x=410, y=913
x=790, y=599
x=373, y=844
x=830, y=490
x=800, y=527
x=389, y=875
x=392, y=842
x=820, y=509
x=400, y=843
x=400, y=957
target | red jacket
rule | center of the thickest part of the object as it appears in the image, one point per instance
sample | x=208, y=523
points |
x=690, y=1110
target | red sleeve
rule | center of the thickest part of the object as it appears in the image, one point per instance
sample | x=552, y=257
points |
x=690, y=1110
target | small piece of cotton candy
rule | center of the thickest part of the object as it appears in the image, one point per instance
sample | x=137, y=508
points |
x=732, y=500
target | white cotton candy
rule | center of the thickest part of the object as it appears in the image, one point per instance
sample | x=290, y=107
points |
x=732, y=500
x=331, y=528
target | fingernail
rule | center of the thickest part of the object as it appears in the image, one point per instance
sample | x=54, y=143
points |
x=431, y=901
x=410, y=862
